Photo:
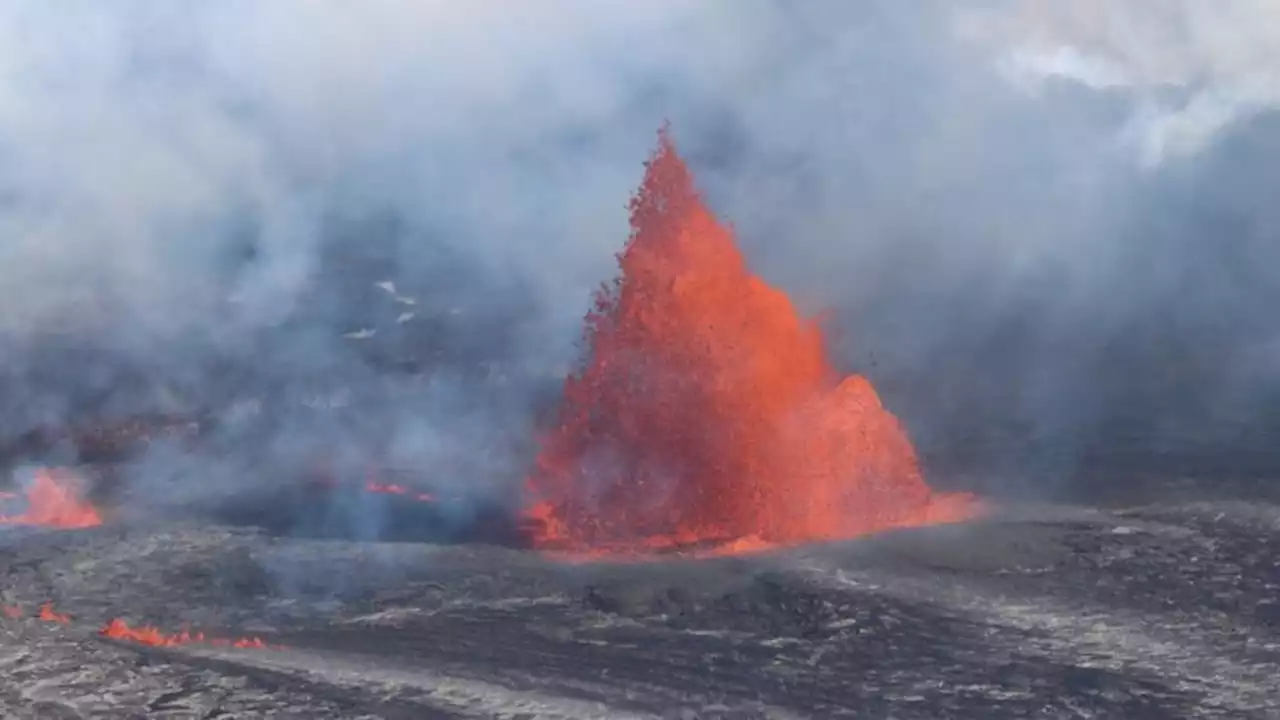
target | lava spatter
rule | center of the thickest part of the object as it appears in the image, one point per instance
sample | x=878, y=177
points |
x=51, y=500
x=48, y=614
x=707, y=412
x=118, y=629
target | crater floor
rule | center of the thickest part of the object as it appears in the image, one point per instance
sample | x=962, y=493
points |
x=1165, y=610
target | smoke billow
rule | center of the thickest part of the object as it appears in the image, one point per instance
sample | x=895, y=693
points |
x=1194, y=70
x=358, y=234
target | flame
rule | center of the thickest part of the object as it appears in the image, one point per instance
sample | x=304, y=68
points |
x=13, y=612
x=707, y=411
x=146, y=635
x=52, y=500
x=48, y=614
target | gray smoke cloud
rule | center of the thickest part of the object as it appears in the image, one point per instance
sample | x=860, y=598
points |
x=367, y=232
x=1195, y=69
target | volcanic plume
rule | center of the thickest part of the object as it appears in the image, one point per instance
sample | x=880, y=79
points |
x=707, y=410
x=52, y=500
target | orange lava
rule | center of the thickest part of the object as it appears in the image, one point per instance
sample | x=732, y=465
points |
x=48, y=614
x=707, y=413
x=393, y=489
x=147, y=635
x=53, y=500
x=379, y=488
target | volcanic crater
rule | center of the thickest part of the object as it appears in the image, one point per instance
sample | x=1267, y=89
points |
x=716, y=525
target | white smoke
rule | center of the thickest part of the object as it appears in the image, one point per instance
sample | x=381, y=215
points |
x=134, y=134
x=1194, y=68
x=175, y=177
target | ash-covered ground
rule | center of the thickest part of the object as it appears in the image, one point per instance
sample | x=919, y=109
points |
x=1164, y=608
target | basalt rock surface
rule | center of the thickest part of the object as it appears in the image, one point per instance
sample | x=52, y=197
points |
x=1164, y=610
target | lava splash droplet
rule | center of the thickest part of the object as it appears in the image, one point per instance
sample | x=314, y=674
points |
x=707, y=411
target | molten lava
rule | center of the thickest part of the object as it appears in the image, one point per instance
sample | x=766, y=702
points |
x=394, y=489
x=52, y=500
x=120, y=630
x=48, y=614
x=707, y=411
x=326, y=480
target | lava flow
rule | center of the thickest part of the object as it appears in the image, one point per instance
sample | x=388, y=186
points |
x=707, y=411
x=48, y=614
x=378, y=488
x=394, y=489
x=52, y=500
x=145, y=635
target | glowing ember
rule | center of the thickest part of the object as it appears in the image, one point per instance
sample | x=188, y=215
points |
x=48, y=614
x=52, y=500
x=707, y=412
x=12, y=612
x=146, y=635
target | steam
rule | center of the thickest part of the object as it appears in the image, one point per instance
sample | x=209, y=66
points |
x=1195, y=69
x=201, y=204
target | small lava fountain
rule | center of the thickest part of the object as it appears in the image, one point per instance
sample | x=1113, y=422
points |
x=51, y=500
x=707, y=413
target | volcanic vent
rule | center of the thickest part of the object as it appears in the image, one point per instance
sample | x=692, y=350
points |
x=52, y=499
x=707, y=411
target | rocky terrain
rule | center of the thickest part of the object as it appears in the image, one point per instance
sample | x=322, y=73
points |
x=1148, y=610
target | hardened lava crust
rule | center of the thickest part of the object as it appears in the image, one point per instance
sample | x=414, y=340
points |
x=1150, y=610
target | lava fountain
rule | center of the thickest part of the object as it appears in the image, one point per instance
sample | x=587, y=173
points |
x=51, y=500
x=706, y=411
